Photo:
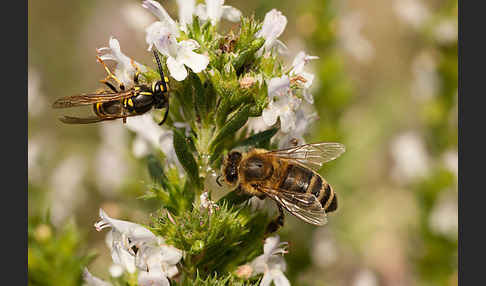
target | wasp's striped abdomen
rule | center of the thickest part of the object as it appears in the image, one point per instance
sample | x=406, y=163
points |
x=303, y=180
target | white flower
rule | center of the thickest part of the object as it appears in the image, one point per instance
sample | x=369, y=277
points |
x=121, y=253
x=179, y=54
x=124, y=70
x=303, y=119
x=271, y=263
x=163, y=35
x=156, y=259
x=298, y=70
x=214, y=10
x=158, y=262
x=151, y=134
x=91, y=280
x=164, y=19
x=412, y=12
x=409, y=156
x=273, y=26
x=285, y=105
x=122, y=237
x=350, y=37
x=187, y=8
x=136, y=233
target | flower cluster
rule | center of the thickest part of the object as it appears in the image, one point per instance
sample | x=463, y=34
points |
x=134, y=247
x=225, y=91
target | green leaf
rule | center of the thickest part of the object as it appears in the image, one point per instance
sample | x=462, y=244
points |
x=238, y=120
x=247, y=55
x=156, y=171
x=185, y=157
x=259, y=140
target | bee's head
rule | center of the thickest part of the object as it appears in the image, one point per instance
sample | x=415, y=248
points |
x=230, y=167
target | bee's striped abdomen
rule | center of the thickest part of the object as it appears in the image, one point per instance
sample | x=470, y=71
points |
x=329, y=199
x=323, y=192
x=296, y=179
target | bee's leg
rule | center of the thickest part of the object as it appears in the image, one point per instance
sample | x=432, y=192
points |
x=110, y=74
x=277, y=223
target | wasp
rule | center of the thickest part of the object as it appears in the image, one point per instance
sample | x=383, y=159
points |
x=114, y=104
x=287, y=176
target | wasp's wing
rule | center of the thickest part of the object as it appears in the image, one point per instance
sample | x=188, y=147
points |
x=311, y=155
x=89, y=98
x=302, y=205
x=92, y=119
x=84, y=120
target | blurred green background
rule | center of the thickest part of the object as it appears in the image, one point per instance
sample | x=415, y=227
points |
x=386, y=87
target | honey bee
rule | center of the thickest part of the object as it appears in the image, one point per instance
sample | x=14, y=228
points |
x=287, y=176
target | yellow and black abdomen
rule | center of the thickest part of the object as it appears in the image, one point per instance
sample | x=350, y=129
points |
x=303, y=180
x=108, y=108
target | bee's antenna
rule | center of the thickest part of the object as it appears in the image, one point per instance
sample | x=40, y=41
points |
x=159, y=64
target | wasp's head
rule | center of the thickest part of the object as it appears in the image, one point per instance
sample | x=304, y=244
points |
x=159, y=91
x=230, y=167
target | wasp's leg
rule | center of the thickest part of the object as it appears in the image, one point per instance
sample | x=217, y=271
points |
x=112, y=87
x=110, y=74
x=165, y=115
x=137, y=73
x=277, y=223
x=124, y=120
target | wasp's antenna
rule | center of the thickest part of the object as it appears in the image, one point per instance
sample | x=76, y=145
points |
x=159, y=64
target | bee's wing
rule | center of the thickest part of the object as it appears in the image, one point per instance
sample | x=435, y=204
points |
x=89, y=98
x=302, y=205
x=310, y=155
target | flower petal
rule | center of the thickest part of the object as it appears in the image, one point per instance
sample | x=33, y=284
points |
x=187, y=8
x=195, y=61
x=91, y=280
x=271, y=243
x=177, y=69
x=273, y=26
x=214, y=10
x=170, y=254
x=270, y=114
x=152, y=278
x=189, y=44
x=159, y=12
x=266, y=280
x=279, y=278
x=231, y=14
x=278, y=85
x=132, y=230
x=201, y=12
